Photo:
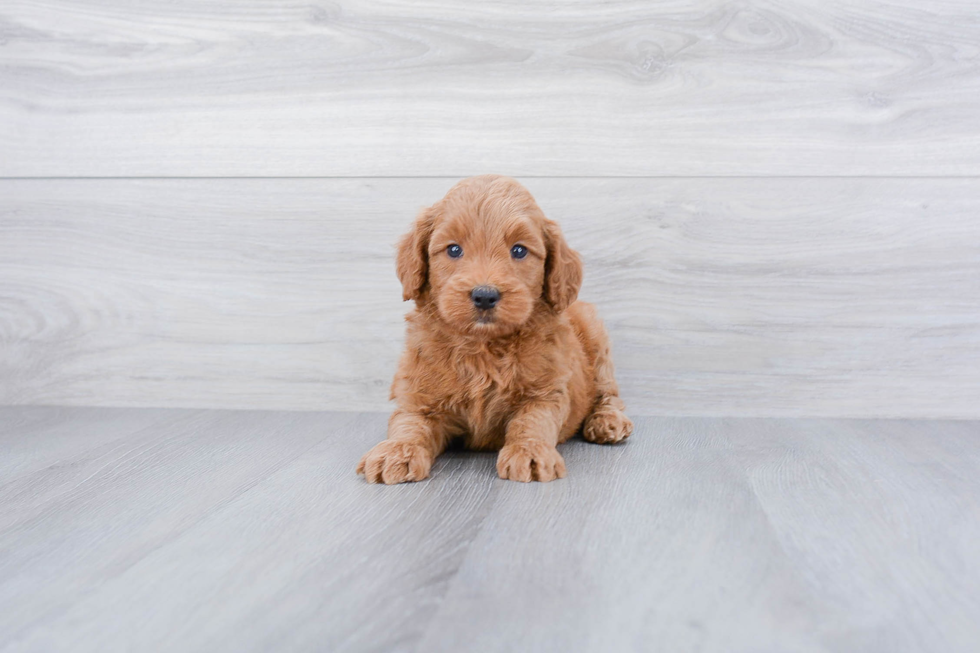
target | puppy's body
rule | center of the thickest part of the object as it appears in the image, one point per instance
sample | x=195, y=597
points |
x=478, y=385
x=521, y=371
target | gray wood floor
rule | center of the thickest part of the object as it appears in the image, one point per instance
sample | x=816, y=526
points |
x=200, y=530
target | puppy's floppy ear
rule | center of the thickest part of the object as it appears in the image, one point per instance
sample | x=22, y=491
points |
x=412, y=261
x=562, y=269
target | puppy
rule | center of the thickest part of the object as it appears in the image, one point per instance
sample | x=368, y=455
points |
x=498, y=352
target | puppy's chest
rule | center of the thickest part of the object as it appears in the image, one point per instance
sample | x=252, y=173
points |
x=484, y=393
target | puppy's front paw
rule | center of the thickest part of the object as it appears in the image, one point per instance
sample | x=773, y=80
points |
x=394, y=461
x=607, y=426
x=530, y=460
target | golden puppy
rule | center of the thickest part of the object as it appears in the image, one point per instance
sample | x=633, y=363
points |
x=498, y=352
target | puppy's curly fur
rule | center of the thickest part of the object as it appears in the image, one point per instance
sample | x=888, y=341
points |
x=522, y=376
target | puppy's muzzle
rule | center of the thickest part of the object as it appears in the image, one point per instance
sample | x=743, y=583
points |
x=485, y=297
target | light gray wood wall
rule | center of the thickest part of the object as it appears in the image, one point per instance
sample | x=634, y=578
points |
x=777, y=202
x=723, y=296
x=264, y=87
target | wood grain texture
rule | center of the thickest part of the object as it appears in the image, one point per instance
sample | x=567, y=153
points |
x=383, y=88
x=33, y=439
x=733, y=535
x=247, y=531
x=834, y=297
x=347, y=544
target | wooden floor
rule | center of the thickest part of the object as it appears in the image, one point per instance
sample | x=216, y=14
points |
x=203, y=530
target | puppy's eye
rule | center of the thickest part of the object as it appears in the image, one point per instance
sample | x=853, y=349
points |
x=454, y=251
x=518, y=251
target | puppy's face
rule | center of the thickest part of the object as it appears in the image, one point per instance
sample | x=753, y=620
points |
x=487, y=257
x=486, y=267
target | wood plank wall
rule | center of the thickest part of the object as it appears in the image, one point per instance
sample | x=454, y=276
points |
x=778, y=203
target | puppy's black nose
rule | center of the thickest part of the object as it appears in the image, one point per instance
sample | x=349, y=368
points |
x=485, y=297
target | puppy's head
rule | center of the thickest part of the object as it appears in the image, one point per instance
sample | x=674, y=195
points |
x=487, y=258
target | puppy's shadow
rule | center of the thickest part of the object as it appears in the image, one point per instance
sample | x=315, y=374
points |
x=457, y=459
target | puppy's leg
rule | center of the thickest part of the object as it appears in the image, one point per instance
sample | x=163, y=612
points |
x=414, y=441
x=529, y=452
x=607, y=423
